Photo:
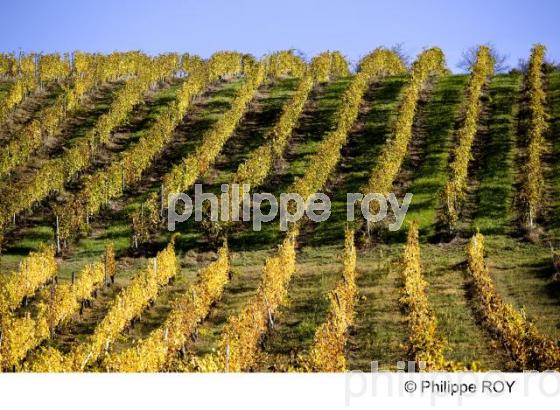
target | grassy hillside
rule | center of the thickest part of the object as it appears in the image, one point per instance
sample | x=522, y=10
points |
x=522, y=271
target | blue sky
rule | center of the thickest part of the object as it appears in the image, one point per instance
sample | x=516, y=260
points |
x=353, y=26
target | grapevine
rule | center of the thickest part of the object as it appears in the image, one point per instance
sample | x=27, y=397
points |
x=109, y=183
x=327, y=353
x=8, y=65
x=184, y=175
x=426, y=346
x=329, y=150
x=528, y=347
x=54, y=173
x=284, y=63
x=53, y=67
x=329, y=65
x=152, y=354
x=20, y=335
x=239, y=343
x=130, y=303
x=25, y=82
x=429, y=62
x=35, y=270
x=533, y=180
x=454, y=190
x=259, y=163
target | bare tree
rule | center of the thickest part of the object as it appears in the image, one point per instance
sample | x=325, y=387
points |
x=548, y=66
x=469, y=58
x=523, y=65
x=398, y=49
x=299, y=53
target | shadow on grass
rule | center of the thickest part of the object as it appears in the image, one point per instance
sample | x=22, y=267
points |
x=493, y=214
x=316, y=120
x=359, y=157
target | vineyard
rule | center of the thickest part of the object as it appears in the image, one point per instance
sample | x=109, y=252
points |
x=92, y=279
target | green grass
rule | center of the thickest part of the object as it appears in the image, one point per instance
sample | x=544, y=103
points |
x=494, y=214
x=251, y=130
x=523, y=275
x=312, y=128
x=318, y=270
x=249, y=135
x=246, y=272
x=359, y=157
x=522, y=271
x=5, y=85
x=440, y=114
x=87, y=114
x=115, y=224
x=553, y=176
x=324, y=103
x=379, y=332
x=40, y=227
x=448, y=289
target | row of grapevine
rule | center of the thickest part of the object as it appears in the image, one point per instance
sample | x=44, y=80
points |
x=426, y=346
x=35, y=270
x=146, y=220
x=114, y=64
x=55, y=172
x=533, y=179
x=109, y=183
x=183, y=175
x=429, y=62
x=156, y=346
x=129, y=304
x=327, y=353
x=224, y=63
x=90, y=70
x=131, y=360
x=23, y=84
x=239, y=341
x=132, y=93
x=156, y=351
x=277, y=270
x=237, y=347
x=53, y=67
x=57, y=306
x=239, y=344
x=329, y=150
x=191, y=62
x=8, y=65
x=278, y=136
x=455, y=188
x=18, y=150
x=29, y=138
x=284, y=63
x=329, y=65
x=50, y=67
x=98, y=69
x=260, y=162
x=43, y=67
x=529, y=348
x=30, y=71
